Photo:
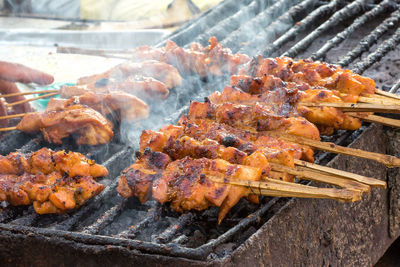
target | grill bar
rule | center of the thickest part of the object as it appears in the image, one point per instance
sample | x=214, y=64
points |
x=106, y=219
x=343, y=14
x=395, y=87
x=170, y=232
x=379, y=53
x=233, y=22
x=266, y=35
x=227, y=8
x=151, y=215
x=360, y=21
x=372, y=38
x=299, y=27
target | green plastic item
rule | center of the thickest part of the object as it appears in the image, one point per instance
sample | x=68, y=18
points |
x=41, y=104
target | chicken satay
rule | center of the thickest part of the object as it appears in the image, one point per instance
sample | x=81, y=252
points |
x=46, y=161
x=247, y=141
x=286, y=102
x=84, y=124
x=210, y=60
x=184, y=183
x=124, y=106
x=257, y=116
x=315, y=74
x=161, y=71
x=144, y=87
x=53, y=181
x=49, y=193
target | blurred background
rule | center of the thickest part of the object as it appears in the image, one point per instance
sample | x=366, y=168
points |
x=69, y=38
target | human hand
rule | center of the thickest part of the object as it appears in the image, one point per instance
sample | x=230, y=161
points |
x=11, y=73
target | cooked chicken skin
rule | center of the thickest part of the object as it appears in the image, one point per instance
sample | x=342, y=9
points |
x=315, y=74
x=128, y=107
x=212, y=59
x=184, y=182
x=321, y=116
x=161, y=71
x=54, y=182
x=85, y=124
x=260, y=117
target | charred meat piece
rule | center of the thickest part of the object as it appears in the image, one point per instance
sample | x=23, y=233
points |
x=285, y=102
x=257, y=116
x=315, y=74
x=54, y=182
x=86, y=125
x=185, y=183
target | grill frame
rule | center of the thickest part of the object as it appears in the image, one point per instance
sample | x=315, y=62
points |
x=172, y=253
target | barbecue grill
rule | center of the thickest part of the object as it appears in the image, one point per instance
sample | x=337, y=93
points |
x=109, y=230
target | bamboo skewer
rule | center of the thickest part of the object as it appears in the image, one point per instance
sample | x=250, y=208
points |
x=30, y=99
x=389, y=161
x=357, y=107
x=349, y=175
x=8, y=129
x=384, y=93
x=29, y=93
x=15, y=115
x=271, y=187
x=376, y=119
x=307, y=174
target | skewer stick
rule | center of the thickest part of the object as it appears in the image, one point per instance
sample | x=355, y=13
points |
x=8, y=129
x=308, y=174
x=30, y=93
x=30, y=99
x=15, y=115
x=376, y=96
x=271, y=187
x=378, y=100
x=384, y=93
x=376, y=119
x=358, y=107
x=389, y=161
x=348, y=175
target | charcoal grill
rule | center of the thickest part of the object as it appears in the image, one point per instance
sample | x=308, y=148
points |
x=111, y=231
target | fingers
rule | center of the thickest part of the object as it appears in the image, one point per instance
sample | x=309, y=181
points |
x=9, y=88
x=19, y=73
x=3, y=112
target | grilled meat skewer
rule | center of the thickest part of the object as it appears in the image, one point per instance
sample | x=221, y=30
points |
x=54, y=182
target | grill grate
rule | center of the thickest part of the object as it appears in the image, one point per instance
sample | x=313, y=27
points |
x=103, y=220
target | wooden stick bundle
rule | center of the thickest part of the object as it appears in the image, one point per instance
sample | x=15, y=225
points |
x=387, y=160
x=357, y=107
x=272, y=187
